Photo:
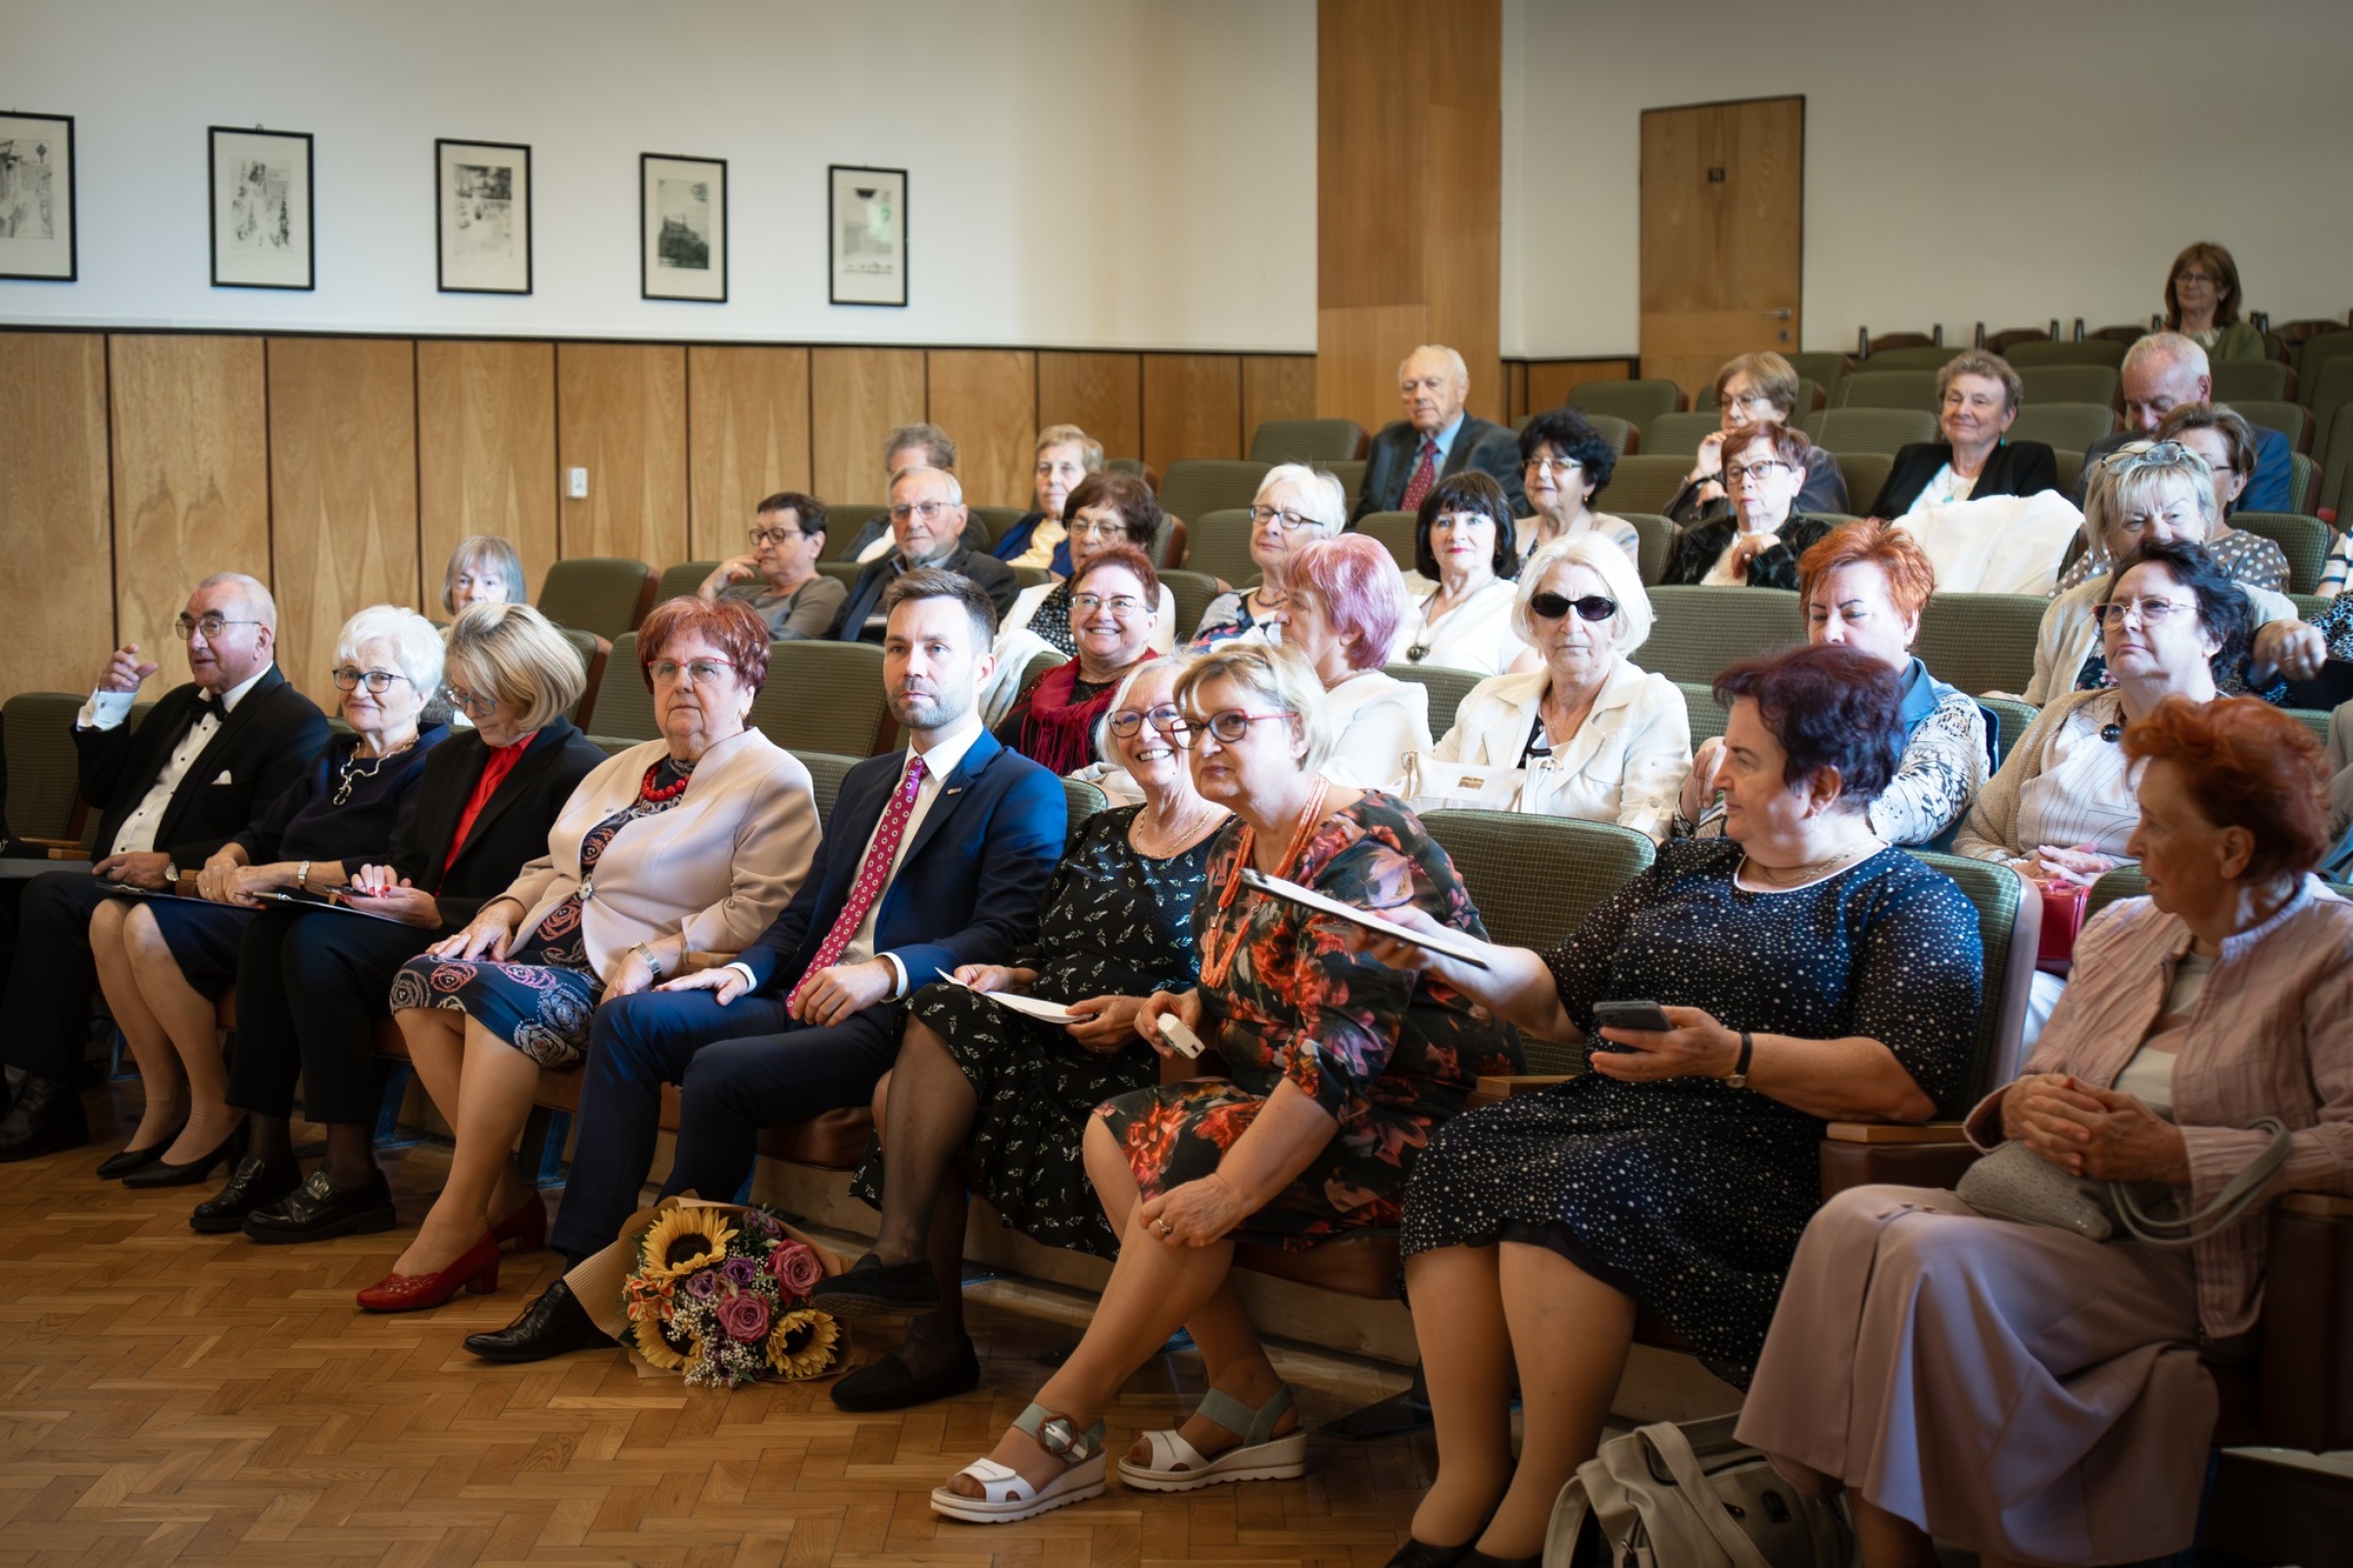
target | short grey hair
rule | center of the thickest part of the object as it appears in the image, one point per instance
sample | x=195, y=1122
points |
x=1326, y=498
x=484, y=550
x=1629, y=628
x=258, y=601
x=955, y=488
x=1455, y=363
x=2171, y=347
x=1277, y=676
x=2110, y=494
x=414, y=642
x=1119, y=694
x=939, y=447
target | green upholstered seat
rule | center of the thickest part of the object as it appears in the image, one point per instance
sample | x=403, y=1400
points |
x=607, y=595
x=823, y=696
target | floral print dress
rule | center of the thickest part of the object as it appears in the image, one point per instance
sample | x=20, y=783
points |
x=1391, y=1055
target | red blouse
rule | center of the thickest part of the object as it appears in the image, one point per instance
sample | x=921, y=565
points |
x=495, y=770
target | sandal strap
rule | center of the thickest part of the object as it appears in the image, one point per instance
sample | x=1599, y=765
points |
x=1059, y=1436
x=1251, y=1427
x=998, y=1482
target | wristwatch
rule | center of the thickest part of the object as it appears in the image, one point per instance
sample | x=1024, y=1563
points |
x=302, y=876
x=653, y=965
x=1738, y=1078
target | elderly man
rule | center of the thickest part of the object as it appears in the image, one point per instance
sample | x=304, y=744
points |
x=1436, y=440
x=2163, y=371
x=927, y=518
x=197, y=770
x=911, y=446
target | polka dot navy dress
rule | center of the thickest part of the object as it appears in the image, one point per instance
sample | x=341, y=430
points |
x=1687, y=1195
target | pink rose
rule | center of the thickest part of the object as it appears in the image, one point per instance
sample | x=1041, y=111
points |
x=795, y=1268
x=743, y=1316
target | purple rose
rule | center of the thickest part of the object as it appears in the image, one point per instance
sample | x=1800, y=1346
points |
x=740, y=1272
x=743, y=1316
x=760, y=1220
x=795, y=1268
x=703, y=1285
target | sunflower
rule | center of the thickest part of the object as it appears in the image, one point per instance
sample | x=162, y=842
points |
x=801, y=1345
x=657, y=1347
x=683, y=1239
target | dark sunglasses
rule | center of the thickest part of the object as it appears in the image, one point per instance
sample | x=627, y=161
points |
x=1552, y=606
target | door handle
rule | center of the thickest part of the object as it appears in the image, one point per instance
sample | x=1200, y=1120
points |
x=1782, y=315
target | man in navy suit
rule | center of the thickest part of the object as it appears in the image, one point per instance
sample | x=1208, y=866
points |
x=2163, y=372
x=934, y=858
x=1436, y=440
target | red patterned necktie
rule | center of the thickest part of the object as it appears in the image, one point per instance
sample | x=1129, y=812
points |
x=1425, y=475
x=872, y=873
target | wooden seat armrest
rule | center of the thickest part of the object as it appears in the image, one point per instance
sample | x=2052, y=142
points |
x=2319, y=1205
x=1889, y=1132
x=59, y=848
x=1493, y=1089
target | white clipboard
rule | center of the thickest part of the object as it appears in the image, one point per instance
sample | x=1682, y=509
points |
x=1453, y=944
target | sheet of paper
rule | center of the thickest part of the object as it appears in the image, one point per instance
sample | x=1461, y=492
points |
x=1051, y=1011
x=1453, y=944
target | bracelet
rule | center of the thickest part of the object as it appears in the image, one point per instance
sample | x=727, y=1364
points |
x=653, y=965
x=302, y=876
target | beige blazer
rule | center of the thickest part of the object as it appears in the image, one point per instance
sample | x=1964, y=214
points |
x=1625, y=765
x=707, y=875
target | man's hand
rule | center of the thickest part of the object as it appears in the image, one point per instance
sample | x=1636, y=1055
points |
x=2290, y=647
x=833, y=994
x=723, y=981
x=141, y=868
x=126, y=670
x=1699, y=785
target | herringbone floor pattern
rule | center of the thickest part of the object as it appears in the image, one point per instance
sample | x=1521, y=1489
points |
x=167, y=1398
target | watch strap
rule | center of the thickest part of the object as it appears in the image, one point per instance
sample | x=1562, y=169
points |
x=1738, y=1078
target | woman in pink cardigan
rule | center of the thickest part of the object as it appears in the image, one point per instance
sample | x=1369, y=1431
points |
x=2019, y=1390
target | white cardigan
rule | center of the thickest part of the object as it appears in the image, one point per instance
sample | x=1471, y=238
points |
x=2070, y=634
x=1625, y=765
x=1379, y=721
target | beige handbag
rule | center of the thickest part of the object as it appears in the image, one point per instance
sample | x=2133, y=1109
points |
x=1431, y=785
x=1690, y=1496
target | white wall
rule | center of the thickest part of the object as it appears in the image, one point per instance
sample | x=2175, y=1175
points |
x=1128, y=173
x=2005, y=160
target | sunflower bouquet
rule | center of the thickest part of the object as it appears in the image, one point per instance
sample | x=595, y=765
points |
x=722, y=1295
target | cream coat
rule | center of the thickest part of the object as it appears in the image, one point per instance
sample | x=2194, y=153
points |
x=1625, y=765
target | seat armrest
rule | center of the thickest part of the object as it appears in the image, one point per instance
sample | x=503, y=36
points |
x=59, y=848
x=1496, y=1087
x=2319, y=1205
x=1890, y=1132
x=2304, y=1381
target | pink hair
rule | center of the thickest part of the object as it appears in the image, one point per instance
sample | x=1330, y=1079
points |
x=1356, y=582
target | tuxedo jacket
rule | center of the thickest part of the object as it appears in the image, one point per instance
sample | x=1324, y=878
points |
x=511, y=827
x=968, y=890
x=2013, y=468
x=264, y=744
x=1491, y=449
x=995, y=577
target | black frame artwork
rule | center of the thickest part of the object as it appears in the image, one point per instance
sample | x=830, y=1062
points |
x=833, y=236
x=302, y=244
x=654, y=228
x=40, y=257
x=518, y=223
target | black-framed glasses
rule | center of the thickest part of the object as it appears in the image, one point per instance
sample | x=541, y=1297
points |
x=475, y=704
x=702, y=670
x=1228, y=725
x=1753, y=473
x=776, y=538
x=1552, y=605
x=1291, y=521
x=377, y=681
x=1166, y=719
x=210, y=623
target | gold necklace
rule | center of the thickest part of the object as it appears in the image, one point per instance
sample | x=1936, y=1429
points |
x=1794, y=876
x=1158, y=843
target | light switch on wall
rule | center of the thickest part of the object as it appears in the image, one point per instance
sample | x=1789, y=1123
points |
x=575, y=483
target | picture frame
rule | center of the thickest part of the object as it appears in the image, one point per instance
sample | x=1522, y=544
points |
x=262, y=194
x=683, y=227
x=40, y=231
x=865, y=225
x=482, y=216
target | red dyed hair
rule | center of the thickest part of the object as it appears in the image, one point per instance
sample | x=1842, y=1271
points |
x=1911, y=575
x=729, y=625
x=1129, y=558
x=2248, y=766
x=1358, y=584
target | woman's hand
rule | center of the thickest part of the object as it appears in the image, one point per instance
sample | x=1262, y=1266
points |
x=1699, y=785
x=725, y=981
x=2077, y=867
x=1105, y=1024
x=630, y=976
x=1396, y=952
x=2289, y=647
x=490, y=934
x=1708, y=466
x=1184, y=1007
x=2088, y=1131
x=1196, y=1214
x=1698, y=1047
x=734, y=569
x=994, y=977
x=405, y=904
x=1746, y=547
x=215, y=877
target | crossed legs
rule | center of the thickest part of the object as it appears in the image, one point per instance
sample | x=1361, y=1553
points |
x=172, y=1030
x=482, y=1086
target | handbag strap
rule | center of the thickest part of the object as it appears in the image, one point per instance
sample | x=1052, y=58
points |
x=2236, y=1197
x=1683, y=1463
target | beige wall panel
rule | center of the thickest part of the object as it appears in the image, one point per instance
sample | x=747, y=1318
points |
x=1357, y=353
x=342, y=493
x=748, y=433
x=620, y=413
x=1370, y=99
x=192, y=479
x=1191, y=407
x=1462, y=200
x=1276, y=386
x=1103, y=394
x=856, y=398
x=987, y=399
x=486, y=453
x=56, y=571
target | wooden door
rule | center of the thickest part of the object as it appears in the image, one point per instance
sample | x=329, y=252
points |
x=1723, y=235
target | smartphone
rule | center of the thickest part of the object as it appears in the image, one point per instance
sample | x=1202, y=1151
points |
x=1646, y=1015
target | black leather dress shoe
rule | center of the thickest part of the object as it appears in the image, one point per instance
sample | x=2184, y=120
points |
x=164, y=1173
x=884, y=1383
x=870, y=1284
x=554, y=1324
x=46, y=1117
x=254, y=1184
x=116, y=1166
x=318, y=1209
x=1421, y=1555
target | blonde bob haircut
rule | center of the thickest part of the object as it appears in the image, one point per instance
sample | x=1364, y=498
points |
x=1629, y=628
x=2130, y=477
x=511, y=652
x=472, y=554
x=1276, y=677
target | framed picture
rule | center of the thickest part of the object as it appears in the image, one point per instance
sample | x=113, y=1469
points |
x=36, y=198
x=261, y=231
x=482, y=216
x=682, y=218
x=866, y=219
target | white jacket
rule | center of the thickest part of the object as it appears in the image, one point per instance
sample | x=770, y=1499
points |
x=1625, y=765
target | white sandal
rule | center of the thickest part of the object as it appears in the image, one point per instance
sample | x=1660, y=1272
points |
x=1178, y=1466
x=1008, y=1498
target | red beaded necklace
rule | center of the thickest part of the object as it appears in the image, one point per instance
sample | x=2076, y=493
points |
x=647, y=791
x=1218, y=963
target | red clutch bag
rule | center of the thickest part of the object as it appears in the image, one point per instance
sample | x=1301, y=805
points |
x=2062, y=918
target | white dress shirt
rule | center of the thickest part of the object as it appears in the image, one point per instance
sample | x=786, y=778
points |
x=109, y=710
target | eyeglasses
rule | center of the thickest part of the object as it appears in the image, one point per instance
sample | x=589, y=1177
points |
x=378, y=681
x=926, y=510
x=1228, y=726
x=2144, y=453
x=1291, y=521
x=703, y=670
x=776, y=538
x=1751, y=401
x=1552, y=465
x=212, y=626
x=1751, y=472
x=2150, y=613
x=1552, y=606
x=1166, y=719
x=475, y=704
x=1086, y=528
x=1120, y=604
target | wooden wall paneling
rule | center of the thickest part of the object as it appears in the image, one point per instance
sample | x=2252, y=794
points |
x=56, y=572
x=1368, y=154
x=1462, y=256
x=342, y=493
x=748, y=438
x=1103, y=394
x=1515, y=387
x=1276, y=386
x=192, y=478
x=1548, y=382
x=486, y=453
x=856, y=397
x=620, y=413
x=987, y=399
x=1358, y=349
x=1191, y=407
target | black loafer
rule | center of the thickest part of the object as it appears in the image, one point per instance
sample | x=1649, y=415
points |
x=254, y=1184
x=886, y=1385
x=164, y=1173
x=46, y=1118
x=116, y=1166
x=318, y=1209
x=554, y=1324
x=870, y=1284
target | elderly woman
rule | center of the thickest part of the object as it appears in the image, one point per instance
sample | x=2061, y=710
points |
x=1114, y=627
x=162, y=963
x=1757, y=542
x=1347, y=600
x=2202, y=302
x=312, y=989
x=2224, y=438
x=1066, y=455
x=1458, y=606
x=484, y=570
x=1105, y=510
x=988, y=1099
x=778, y=576
x=1598, y=737
x=686, y=845
x=1863, y=587
x=1565, y=464
x=1809, y=972
x=1337, y=1069
x=2224, y=996
x=1755, y=389
x=1977, y=397
x=1294, y=505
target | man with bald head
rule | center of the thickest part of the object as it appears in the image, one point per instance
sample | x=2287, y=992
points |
x=198, y=769
x=1436, y=440
x=2161, y=372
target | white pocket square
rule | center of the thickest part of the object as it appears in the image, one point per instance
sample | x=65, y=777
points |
x=224, y=778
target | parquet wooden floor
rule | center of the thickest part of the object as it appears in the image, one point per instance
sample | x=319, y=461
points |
x=173, y=1398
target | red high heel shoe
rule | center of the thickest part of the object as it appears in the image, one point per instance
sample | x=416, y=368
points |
x=526, y=1227
x=475, y=1270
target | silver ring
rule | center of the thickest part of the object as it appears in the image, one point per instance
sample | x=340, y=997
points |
x=1164, y=1227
